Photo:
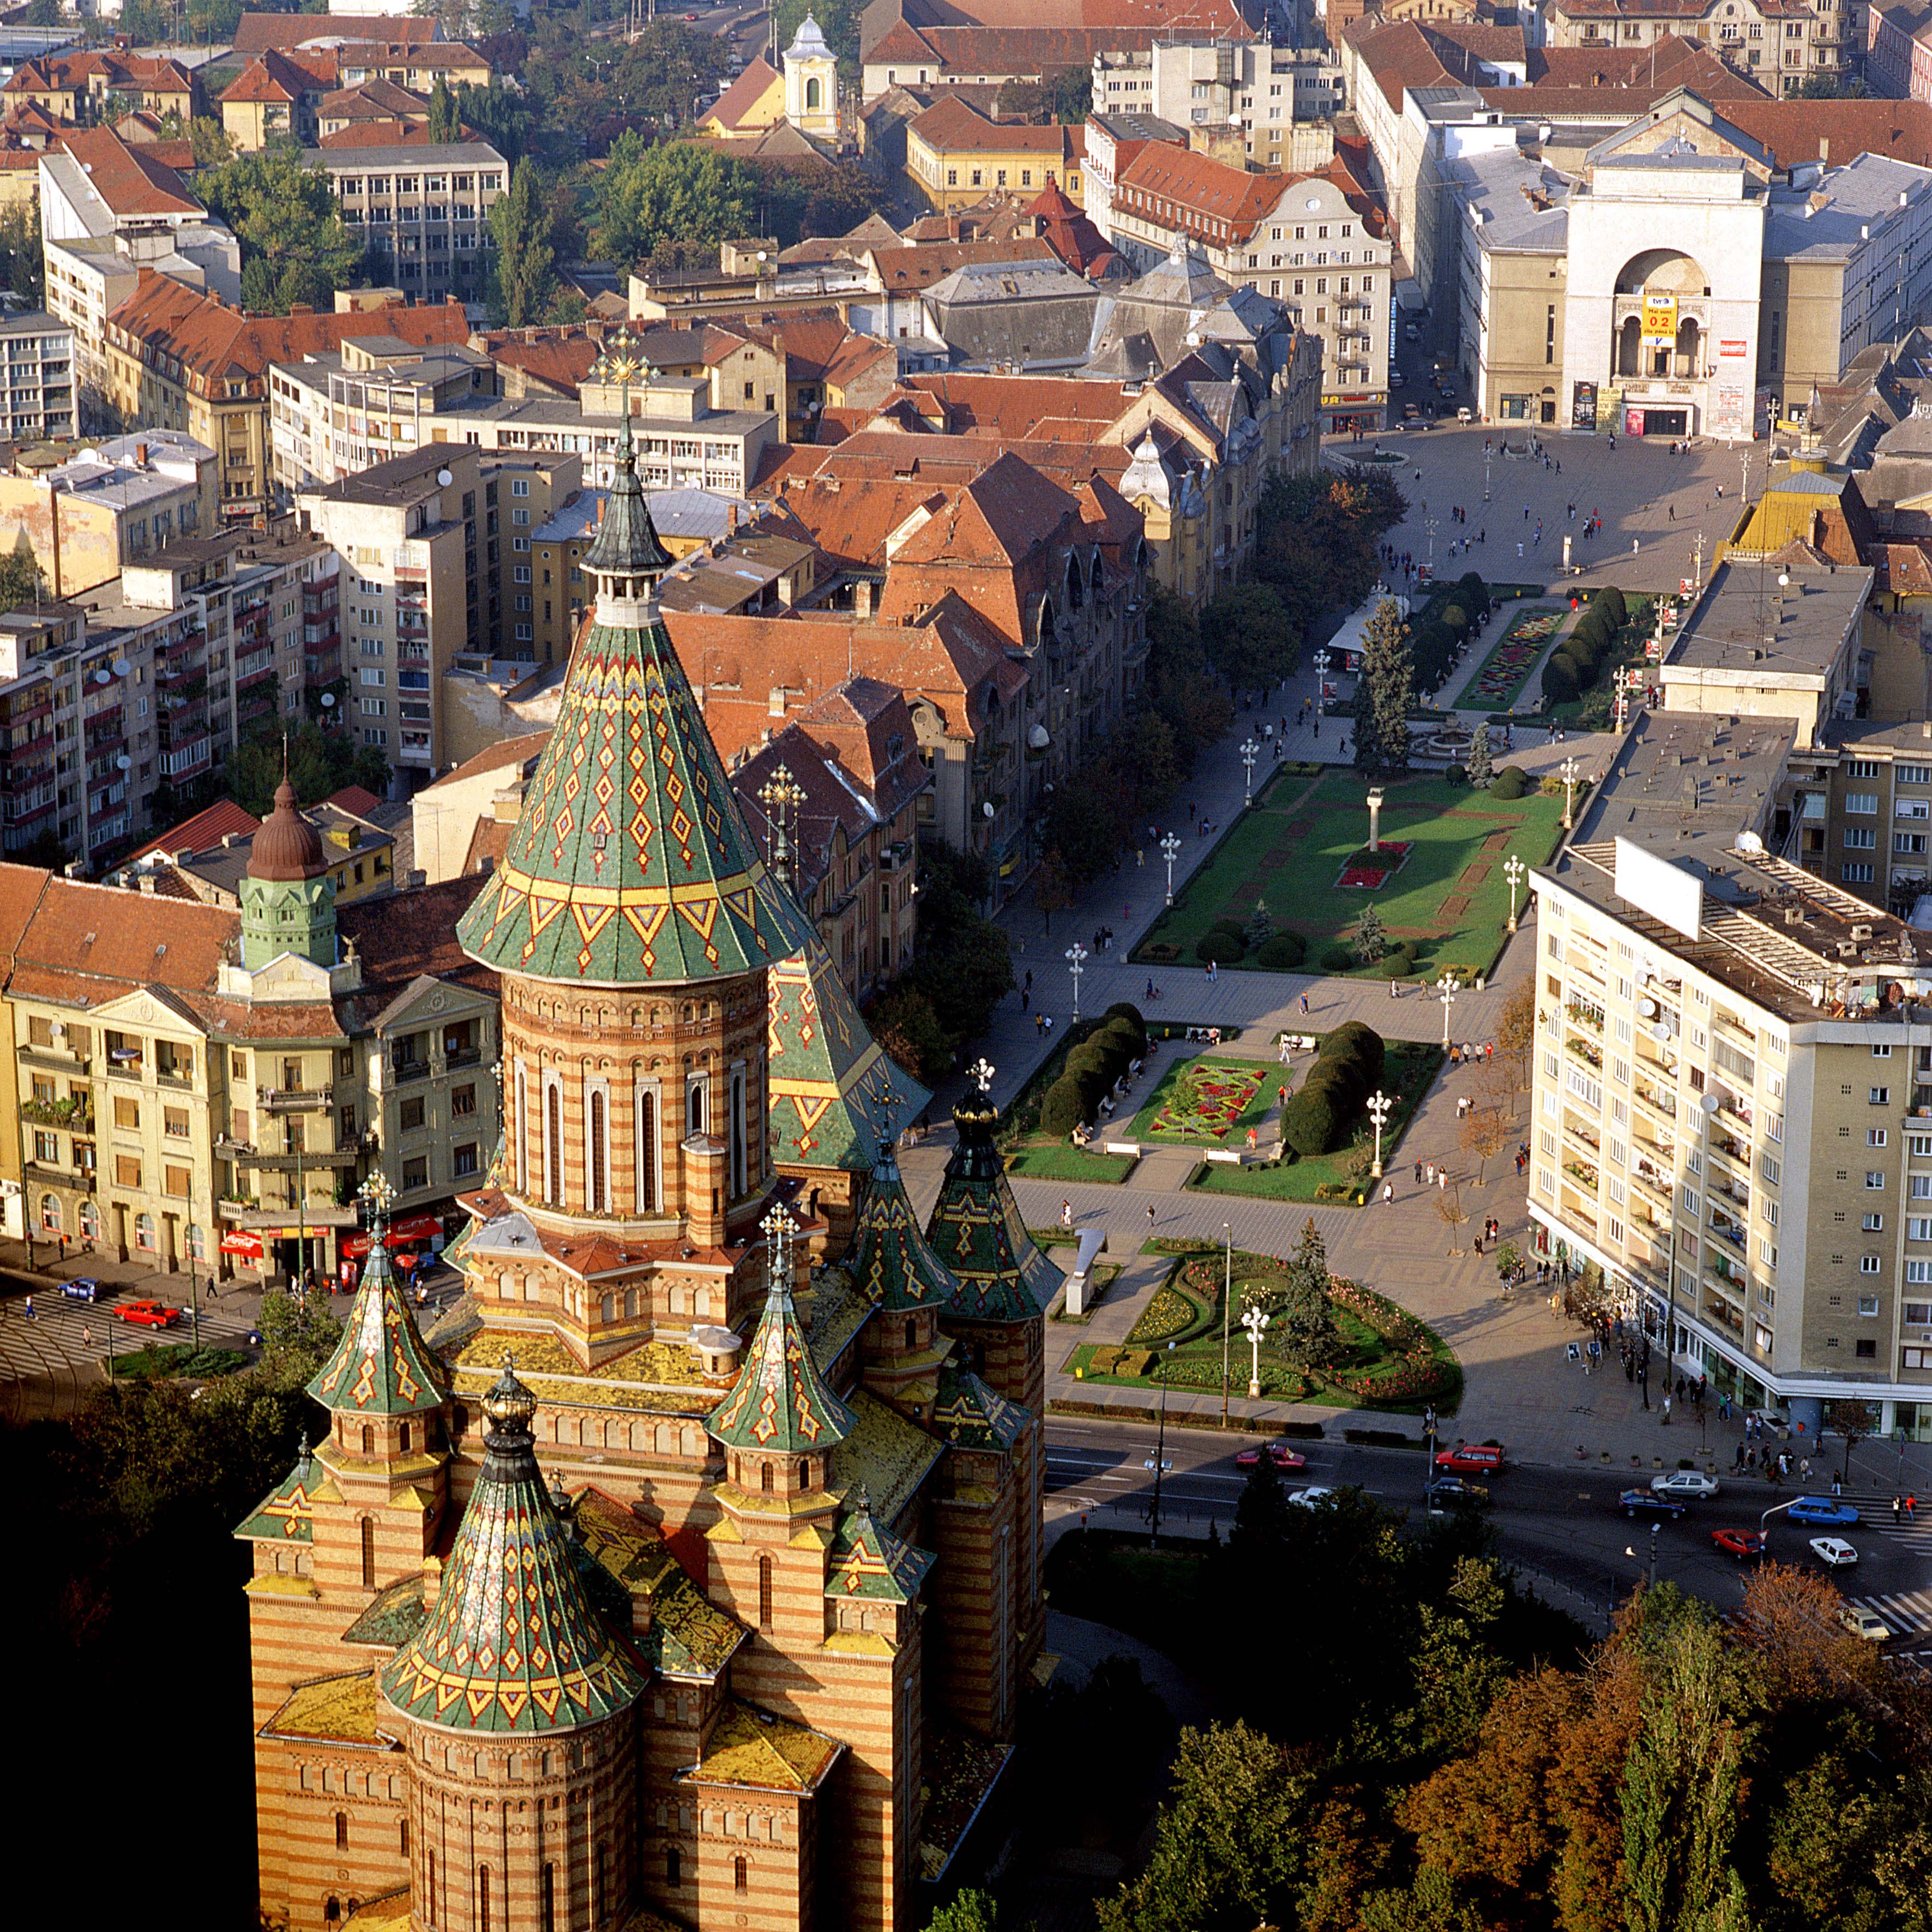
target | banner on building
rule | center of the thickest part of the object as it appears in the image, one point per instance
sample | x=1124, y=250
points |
x=1660, y=321
x=1583, y=406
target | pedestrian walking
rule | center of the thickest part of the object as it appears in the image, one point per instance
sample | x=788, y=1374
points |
x=1388, y=1192
x=1897, y=1509
x=1442, y=1179
x=1150, y=1217
x=30, y=1308
x=1026, y=999
x=1418, y=1174
x=1432, y=1173
x=1304, y=1002
x=1067, y=1214
x=1667, y=1410
x=86, y=1336
x=1911, y=1506
x=1837, y=1487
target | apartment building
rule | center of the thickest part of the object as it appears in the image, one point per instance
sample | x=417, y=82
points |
x=1314, y=242
x=338, y=411
x=37, y=378
x=409, y=534
x=198, y=1081
x=1778, y=43
x=84, y=87
x=87, y=519
x=957, y=156
x=1276, y=95
x=425, y=206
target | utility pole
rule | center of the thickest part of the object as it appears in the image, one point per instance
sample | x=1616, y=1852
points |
x=1227, y=1311
x=1159, y=1453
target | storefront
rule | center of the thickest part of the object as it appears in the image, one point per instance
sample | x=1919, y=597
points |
x=1641, y=420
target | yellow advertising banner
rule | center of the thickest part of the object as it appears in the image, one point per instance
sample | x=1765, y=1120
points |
x=1659, y=320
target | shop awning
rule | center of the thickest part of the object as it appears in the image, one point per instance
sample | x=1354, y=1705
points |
x=413, y=1229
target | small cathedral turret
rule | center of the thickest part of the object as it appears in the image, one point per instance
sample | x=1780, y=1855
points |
x=288, y=898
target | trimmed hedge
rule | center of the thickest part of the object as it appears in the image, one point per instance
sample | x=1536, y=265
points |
x=1359, y=1043
x=1283, y=952
x=1312, y=1119
x=1222, y=946
x=1511, y=782
x=1337, y=959
x=1063, y=1106
x=1562, y=680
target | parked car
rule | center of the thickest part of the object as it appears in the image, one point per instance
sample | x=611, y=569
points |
x=1411, y=411
x=1741, y=1543
x=1397, y=380
x=1646, y=1502
x=83, y=1288
x=1308, y=1497
x=1865, y=1623
x=1834, y=1552
x=1279, y=1453
x=148, y=1313
x=1410, y=333
x=1689, y=1482
x=1471, y=1459
x=1822, y=1509
x=1465, y=414
x=1453, y=1492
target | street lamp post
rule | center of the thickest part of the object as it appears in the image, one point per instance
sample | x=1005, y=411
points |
x=1169, y=847
x=1431, y=524
x=1322, y=662
x=1380, y=1108
x=1255, y=1322
x=1448, y=987
x=1250, y=751
x=1160, y=1451
x=1487, y=458
x=1570, y=771
x=1513, y=872
x=1076, y=955
x=1227, y=1308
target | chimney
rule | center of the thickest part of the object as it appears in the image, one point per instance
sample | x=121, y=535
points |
x=140, y=456
x=1824, y=147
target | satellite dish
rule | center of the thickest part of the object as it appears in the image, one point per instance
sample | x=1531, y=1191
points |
x=1647, y=1006
x=1783, y=580
x=1709, y=1102
x=328, y=699
x=986, y=810
x=103, y=677
x=1749, y=843
x=1659, y=1031
x=121, y=667
x=445, y=479
x=122, y=762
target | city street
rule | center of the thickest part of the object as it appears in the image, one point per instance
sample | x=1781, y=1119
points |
x=1562, y=1528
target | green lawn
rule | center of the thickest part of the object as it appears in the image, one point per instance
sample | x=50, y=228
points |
x=1450, y=894
x=1178, y=1126
x=1408, y=1071
x=1386, y=1359
x=1056, y=1161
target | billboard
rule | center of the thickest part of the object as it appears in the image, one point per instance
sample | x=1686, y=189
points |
x=1659, y=320
x=1583, y=406
x=1653, y=885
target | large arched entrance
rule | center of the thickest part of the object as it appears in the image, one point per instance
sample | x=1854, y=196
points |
x=1660, y=313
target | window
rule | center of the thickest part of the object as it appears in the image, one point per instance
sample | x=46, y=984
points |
x=764, y=1593
x=415, y=1173
x=127, y=1171
x=368, y=1552
x=463, y=1159
x=1868, y=1304
x=463, y=1100
x=1860, y=838
x=175, y=1182
x=1879, y=1096
x=1855, y=874
x=1874, y=1181
x=412, y=1115
x=740, y=1877
x=341, y=1830
x=1873, y=1224
x=1868, y=1264
x=1875, y=1137
x=1862, y=803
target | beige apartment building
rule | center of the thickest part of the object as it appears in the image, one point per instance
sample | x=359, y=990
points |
x=1778, y=43
x=1731, y=1112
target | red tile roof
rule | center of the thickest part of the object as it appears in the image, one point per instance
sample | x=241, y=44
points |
x=258, y=32
x=129, y=180
x=204, y=831
x=900, y=269
x=743, y=95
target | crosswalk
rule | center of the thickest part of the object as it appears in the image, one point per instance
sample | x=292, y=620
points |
x=1903, y=1611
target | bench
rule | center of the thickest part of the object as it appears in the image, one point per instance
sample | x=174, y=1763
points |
x=1130, y=1147
x=1234, y=1157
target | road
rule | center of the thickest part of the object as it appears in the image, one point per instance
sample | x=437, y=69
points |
x=1563, y=1525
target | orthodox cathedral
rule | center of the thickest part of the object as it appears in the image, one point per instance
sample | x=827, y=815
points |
x=669, y=1578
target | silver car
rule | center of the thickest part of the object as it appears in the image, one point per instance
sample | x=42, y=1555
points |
x=1686, y=1485
x=1834, y=1552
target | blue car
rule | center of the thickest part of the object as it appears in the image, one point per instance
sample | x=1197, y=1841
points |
x=83, y=1288
x=1822, y=1509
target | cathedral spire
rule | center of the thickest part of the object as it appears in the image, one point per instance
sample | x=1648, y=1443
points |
x=513, y=1642
x=380, y=1366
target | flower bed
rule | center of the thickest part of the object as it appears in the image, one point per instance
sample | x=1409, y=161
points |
x=1370, y=871
x=1203, y=1100
x=1170, y=1314
x=1505, y=672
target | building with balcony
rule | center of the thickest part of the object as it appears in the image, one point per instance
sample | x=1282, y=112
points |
x=1778, y=43
x=198, y=1080
x=1276, y=101
x=425, y=206
x=36, y=362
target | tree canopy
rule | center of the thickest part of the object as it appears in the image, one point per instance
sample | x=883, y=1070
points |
x=295, y=248
x=676, y=192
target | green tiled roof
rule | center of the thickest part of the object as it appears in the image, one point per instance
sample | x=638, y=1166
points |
x=284, y=1514
x=976, y=1230
x=831, y=1083
x=689, y=1635
x=380, y=1366
x=890, y=1260
x=869, y=1561
x=631, y=864
x=780, y=1401
x=966, y=1411
x=887, y=1455
x=392, y=1618
x=513, y=1642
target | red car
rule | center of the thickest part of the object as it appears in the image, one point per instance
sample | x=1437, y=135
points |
x=1741, y=1543
x=148, y=1313
x=1279, y=1454
x=1471, y=1459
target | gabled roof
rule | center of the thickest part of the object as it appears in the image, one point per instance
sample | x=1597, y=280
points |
x=689, y=1635
x=513, y=1643
x=756, y=1750
x=976, y=1229
x=971, y=1415
x=257, y=33
x=870, y=1562
x=206, y=830
x=744, y=94
x=285, y=1514
x=128, y=179
x=780, y=1403
x=380, y=1366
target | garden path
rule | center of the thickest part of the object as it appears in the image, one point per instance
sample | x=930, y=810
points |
x=1478, y=655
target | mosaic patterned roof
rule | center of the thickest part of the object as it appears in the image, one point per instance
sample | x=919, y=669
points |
x=757, y=1748
x=871, y=1562
x=887, y=1457
x=394, y=1616
x=965, y=1410
x=976, y=1230
x=285, y=1514
x=380, y=1366
x=689, y=1635
x=626, y=543
x=780, y=1401
x=340, y=1709
x=831, y=1082
x=890, y=1259
x=631, y=864
x=513, y=1643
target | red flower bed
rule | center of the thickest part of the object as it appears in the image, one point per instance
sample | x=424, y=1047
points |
x=1361, y=877
x=1365, y=878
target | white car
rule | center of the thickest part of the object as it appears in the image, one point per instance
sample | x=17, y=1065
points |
x=1834, y=1552
x=1309, y=1498
x=1397, y=380
x=1867, y=1624
x=1684, y=1484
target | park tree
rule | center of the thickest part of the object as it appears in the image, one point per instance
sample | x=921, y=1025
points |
x=1259, y=927
x=442, y=120
x=1450, y=1211
x=19, y=580
x=908, y=1031
x=525, y=269
x=1484, y=1133
x=1482, y=773
x=1854, y=1419
x=838, y=20
x=319, y=762
x=676, y=192
x=1052, y=891
x=970, y=1911
x=1371, y=940
x=1516, y=1034
x=1251, y=640
x=1383, y=692
x=295, y=250
x=1303, y=1322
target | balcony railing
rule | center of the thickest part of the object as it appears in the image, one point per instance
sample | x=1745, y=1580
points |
x=296, y=1099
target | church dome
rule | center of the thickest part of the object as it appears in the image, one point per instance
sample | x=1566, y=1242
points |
x=287, y=846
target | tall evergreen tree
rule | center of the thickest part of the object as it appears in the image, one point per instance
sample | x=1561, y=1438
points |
x=1482, y=773
x=1383, y=692
x=526, y=268
x=1371, y=939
